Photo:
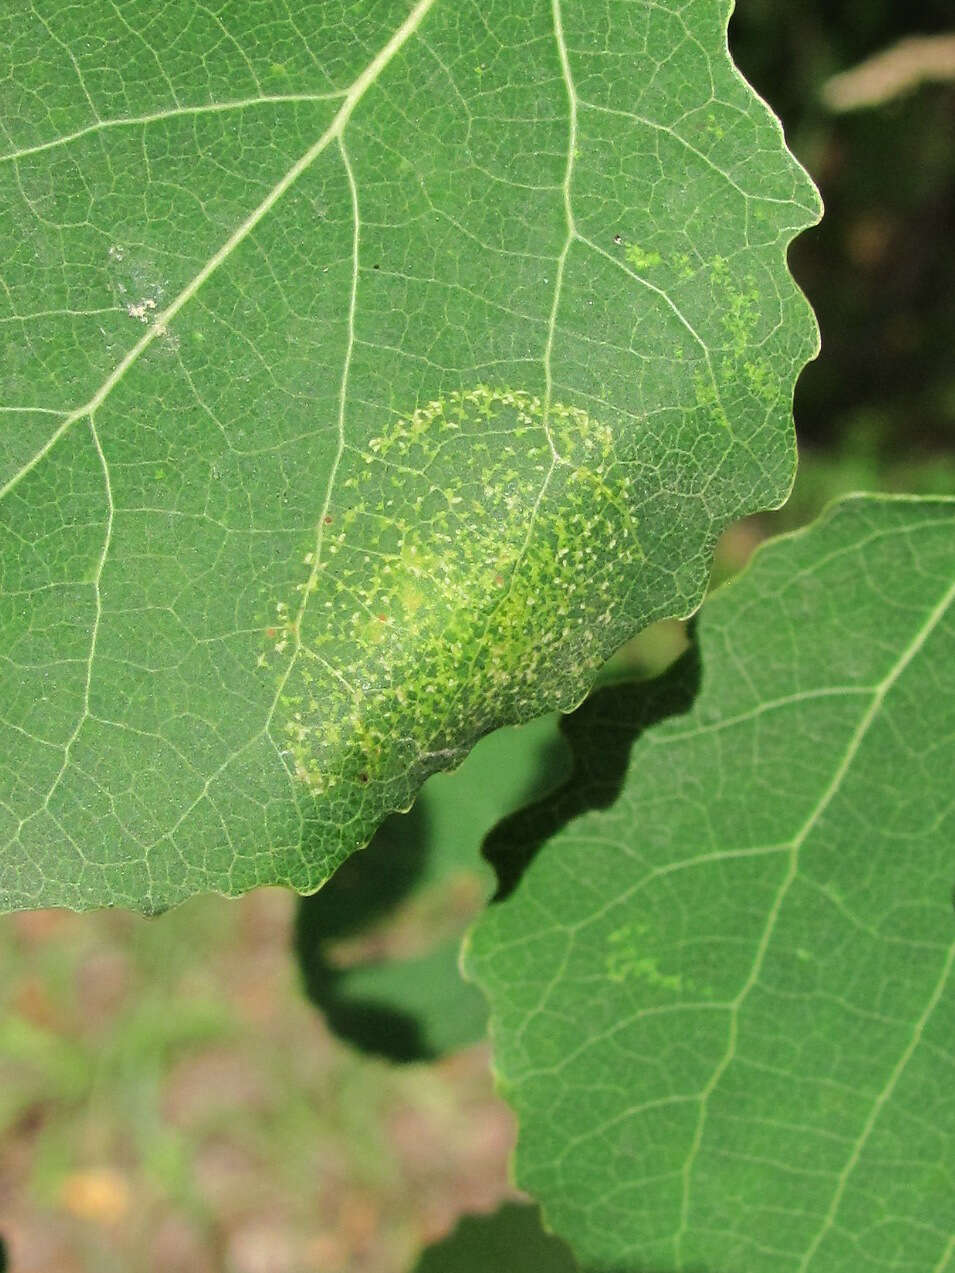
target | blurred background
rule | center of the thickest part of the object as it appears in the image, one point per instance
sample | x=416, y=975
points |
x=169, y=1099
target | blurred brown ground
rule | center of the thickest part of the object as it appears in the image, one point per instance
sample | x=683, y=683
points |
x=170, y=1103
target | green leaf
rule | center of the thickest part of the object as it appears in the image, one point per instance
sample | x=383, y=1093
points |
x=509, y=1241
x=724, y=1006
x=423, y=875
x=369, y=374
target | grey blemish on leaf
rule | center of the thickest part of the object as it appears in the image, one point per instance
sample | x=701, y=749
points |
x=141, y=309
x=465, y=576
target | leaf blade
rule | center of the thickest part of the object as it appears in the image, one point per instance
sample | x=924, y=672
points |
x=736, y=1023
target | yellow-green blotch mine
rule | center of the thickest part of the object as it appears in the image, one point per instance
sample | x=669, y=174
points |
x=462, y=578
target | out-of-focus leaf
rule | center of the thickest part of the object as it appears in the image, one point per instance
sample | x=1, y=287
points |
x=422, y=873
x=511, y=1240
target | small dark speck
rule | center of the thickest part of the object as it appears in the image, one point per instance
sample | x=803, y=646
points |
x=618, y=239
x=363, y=777
x=327, y=519
x=376, y=267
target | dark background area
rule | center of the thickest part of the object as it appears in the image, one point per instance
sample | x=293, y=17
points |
x=880, y=269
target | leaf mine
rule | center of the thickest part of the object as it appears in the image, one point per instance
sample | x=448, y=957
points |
x=478, y=600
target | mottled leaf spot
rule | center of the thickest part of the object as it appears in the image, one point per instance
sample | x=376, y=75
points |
x=641, y=259
x=629, y=959
x=466, y=583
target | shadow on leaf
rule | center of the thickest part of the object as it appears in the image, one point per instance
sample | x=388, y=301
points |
x=424, y=865
x=600, y=733
x=512, y=1240
x=392, y=863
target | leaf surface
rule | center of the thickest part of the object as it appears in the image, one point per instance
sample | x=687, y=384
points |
x=369, y=373
x=724, y=1006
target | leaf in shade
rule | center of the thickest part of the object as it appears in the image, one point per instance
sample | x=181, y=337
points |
x=424, y=873
x=512, y=1240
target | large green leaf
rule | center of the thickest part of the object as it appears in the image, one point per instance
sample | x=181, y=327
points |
x=724, y=1006
x=369, y=373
